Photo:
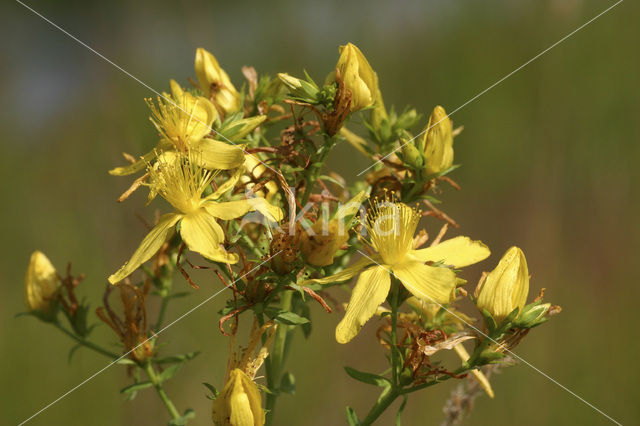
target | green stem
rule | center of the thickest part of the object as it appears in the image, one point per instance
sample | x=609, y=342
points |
x=157, y=384
x=394, y=341
x=87, y=343
x=389, y=395
x=276, y=359
x=459, y=371
x=312, y=173
x=161, y=312
x=379, y=407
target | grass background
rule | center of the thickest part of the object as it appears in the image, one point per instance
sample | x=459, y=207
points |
x=549, y=163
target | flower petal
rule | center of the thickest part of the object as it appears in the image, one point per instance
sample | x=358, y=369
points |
x=239, y=405
x=255, y=400
x=370, y=291
x=233, y=209
x=149, y=246
x=218, y=155
x=202, y=234
x=457, y=252
x=227, y=210
x=344, y=275
x=433, y=284
x=228, y=184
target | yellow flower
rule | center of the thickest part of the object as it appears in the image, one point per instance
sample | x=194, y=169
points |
x=358, y=77
x=215, y=83
x=506, y=287
x=320, y=244
x=391, y=227
x=40, y=283
x=437, y=142
x=181, y=182
x=184, y=121
x=239, y=402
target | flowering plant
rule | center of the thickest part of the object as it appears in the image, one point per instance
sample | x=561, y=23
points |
x=243, y=171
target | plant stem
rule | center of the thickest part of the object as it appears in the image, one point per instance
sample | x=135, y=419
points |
x=459, y=371
x=394, y=341
x=87, y=343
x=274, y=367
x=389, y=395
x=313, y=171
x=380, y=406
x=161, y=312
x=157, y=384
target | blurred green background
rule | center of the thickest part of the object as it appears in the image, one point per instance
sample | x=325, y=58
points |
x=549, y=163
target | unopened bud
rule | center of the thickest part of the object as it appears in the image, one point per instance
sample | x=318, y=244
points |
x=506, y=287
x=41, y=283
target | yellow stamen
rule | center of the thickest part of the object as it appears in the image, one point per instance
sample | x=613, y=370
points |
x=391, y=227
x=180, y=180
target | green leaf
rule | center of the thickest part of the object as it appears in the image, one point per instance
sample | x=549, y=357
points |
x=136, y=387
x=182, y=420
x=72, y=351
x=332, y=180
x=401, y=409
x=369, y=378
x=212, y=389
x=288, y=383
x=177, y=358
x=169, y=372
x=305, y=311
x=352, y=418
x=289, y=318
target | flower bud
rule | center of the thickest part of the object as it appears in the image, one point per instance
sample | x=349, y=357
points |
x=358, y=77
x=532, y=315
x=215, y=83
x=437, y=142
x=239, y=403
x=292, y=83
x=411, y=156
x=41, y=283
x=506, y=287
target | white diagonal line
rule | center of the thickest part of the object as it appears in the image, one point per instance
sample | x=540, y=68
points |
x=171, y=101
x=506, y=350
x=156, y=334
x=496, y=83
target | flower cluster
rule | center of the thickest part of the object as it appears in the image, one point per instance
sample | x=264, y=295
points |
x=243, y=171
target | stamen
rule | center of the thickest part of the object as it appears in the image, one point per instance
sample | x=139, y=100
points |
x=179, y=179
x=391, y=226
